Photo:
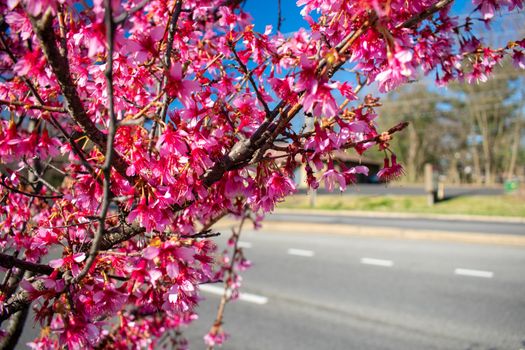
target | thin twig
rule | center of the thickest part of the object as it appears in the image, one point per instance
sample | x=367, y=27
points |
x=347, y=145
x=126, y=14
x=36, y=195
x=205, y=234
x=63, y=35
x=438, y=6
x=167, y=54
x=41, y=179
x=132, y=120
x=167, y=64
x=217, y=324
x=112, y=129
x=248, y=74
x=31, y=106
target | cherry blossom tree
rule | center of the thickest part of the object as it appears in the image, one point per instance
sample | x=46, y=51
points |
x=129, y=128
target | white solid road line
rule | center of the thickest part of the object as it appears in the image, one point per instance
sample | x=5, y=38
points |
x=251, y=298
x=377, y=262
x=242, y=244
x=474, y=273
x=301, y=252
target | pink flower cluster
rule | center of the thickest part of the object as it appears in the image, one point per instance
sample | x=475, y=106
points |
x=208, y=123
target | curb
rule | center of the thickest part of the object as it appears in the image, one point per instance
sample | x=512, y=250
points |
x=383, y=232
x=375, y=214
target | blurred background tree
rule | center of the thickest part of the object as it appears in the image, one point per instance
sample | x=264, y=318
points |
x=472, y=133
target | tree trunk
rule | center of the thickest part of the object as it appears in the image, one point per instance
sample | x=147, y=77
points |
x=476, y=171
x=514, y=151
x=412, y=153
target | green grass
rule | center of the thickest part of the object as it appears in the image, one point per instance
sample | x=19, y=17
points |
x=508, y=205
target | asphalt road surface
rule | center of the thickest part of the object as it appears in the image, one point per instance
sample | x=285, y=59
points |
x=309, y=291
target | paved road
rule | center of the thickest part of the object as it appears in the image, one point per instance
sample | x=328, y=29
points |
x=332, y=292
x=405, y=223
x=335, y=292
x=382, y=189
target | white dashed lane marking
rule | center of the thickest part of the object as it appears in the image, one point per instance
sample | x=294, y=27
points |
x=377, y=262
x=474, y=273
x=301, y=252
x=242, y=244
x=248, y=297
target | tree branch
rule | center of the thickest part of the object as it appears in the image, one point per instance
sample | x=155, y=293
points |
x=438, y=6
x=112, y=129
x=8, y=261
x=229, y=274
x=243, y=150
x=14, y=329
x=126, y=14
x=279, y=16
x=43, y=28
x=167, y=54
x=264, y=136
x=35, y=195
x=248, y=74
x=30, y=106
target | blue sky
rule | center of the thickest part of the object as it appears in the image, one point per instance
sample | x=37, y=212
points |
x=265, y=12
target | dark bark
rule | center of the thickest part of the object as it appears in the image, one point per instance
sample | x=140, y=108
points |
x=43, y=28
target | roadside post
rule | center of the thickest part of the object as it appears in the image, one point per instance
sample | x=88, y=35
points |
x=313, y=197
x=430, y=184
x=441, y=188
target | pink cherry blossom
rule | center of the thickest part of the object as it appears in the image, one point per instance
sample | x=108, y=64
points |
x=133, y=239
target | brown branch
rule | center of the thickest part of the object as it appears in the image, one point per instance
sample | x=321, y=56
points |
x=63, y=34
x=40, y=179
x=217, y=324
x=377, y=139
x=19, y=301
x=35, y=195
x=264, y=136
x=44, y=30
x=249, y=75
x=8, y=261
x=167, y=54
x=204, y=234
x=112, y=129
x=117, y=235
x=16, y=324
x=438, y=6
x=14, y=329
x=126, y=14
x=243, y=151
x=30, y=106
